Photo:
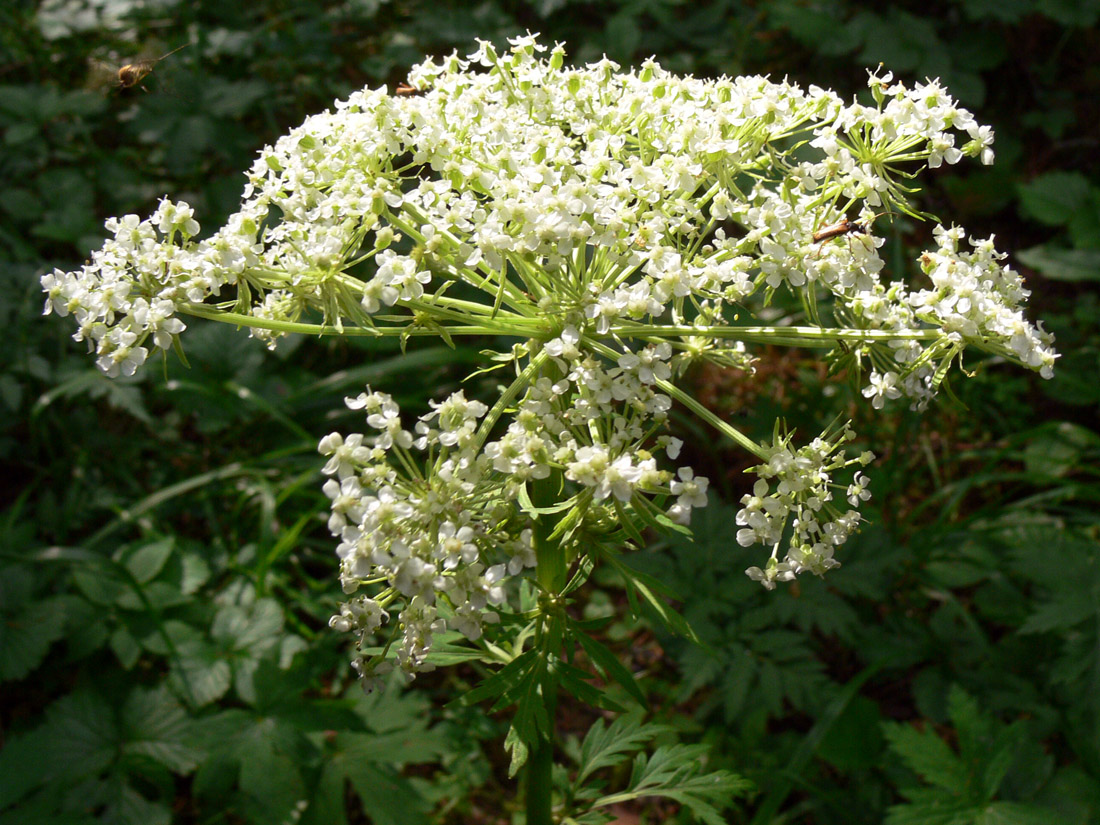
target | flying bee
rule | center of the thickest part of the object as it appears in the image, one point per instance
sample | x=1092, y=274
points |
x=132, y=74
x=405, y=90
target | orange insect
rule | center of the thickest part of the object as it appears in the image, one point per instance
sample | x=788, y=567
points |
x=846, y=227
x=405, y=90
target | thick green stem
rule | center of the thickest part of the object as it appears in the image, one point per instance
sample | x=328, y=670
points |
x=539, y=775
x=550, y=572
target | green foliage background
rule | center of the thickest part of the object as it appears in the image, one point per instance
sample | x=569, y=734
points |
x=165, y=573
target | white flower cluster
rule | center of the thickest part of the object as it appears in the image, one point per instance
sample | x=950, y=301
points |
x=975, y=301
x=600, y=190
x=424, y=537
x=977, y=298
x=133, y=287
x=612, y=220
x=443, y=535
x=801, y=502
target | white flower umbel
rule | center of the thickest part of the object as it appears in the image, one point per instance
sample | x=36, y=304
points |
x=615, y=223
x=794, y=494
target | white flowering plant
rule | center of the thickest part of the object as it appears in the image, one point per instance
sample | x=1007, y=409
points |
x=613, y=228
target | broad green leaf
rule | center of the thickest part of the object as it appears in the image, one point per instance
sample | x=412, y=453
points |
x=101, y=583
x=327, y=805
x=270, y=776
x=155, y=725
x=409, y=745
x=1015, y=813
x=201, y=672
x=26, y=636
x=255, y=628
x=387, y=797
x=156, y=596
x=145, y=561
x=84, y=737
x=125, y=647
x=24, y=765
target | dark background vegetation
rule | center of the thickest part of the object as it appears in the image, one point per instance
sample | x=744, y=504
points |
x=165, y=572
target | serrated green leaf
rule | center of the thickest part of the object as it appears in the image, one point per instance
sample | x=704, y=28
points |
x=506, y=679
x=195, y=571
x=201, y=672
x=1016, y=813
x=26, y=636
x=931, y=807
x=387, y=797
x=929, y=756
x=517, y=747
x=155, y=596
x=408, y=745
x=677, y=772
x=155, y=725
x=605, y=746
x=255, y=628
x=100, y=584
x=1065, y=611
x=84, y=735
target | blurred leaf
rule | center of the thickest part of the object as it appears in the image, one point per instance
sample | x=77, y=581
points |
x=1006, y=11
x=145, y=561
x=1054, y=197
x=1073, y=265
x=821, y=28
x=29, y=624
x=125, y=647
x=155, y=725
x=854, y=741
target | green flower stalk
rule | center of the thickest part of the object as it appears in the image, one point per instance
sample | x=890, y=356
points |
x=617, y=225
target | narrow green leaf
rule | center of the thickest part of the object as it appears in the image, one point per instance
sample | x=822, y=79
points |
x=609, y=665
x=645, y=586
x=508, y=677
x=574, y=681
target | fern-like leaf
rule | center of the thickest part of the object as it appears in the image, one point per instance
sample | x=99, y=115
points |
x=677, y=772
x=605, y=746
